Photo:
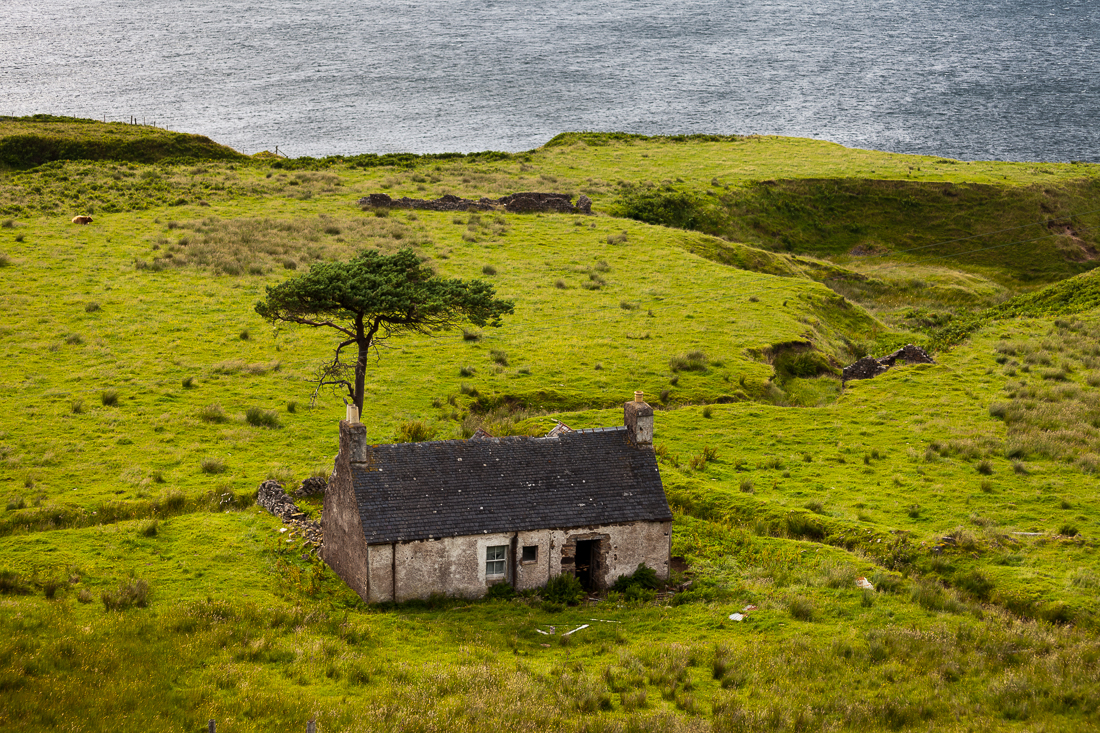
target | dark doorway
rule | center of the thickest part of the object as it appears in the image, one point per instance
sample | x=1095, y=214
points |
x=587, y=562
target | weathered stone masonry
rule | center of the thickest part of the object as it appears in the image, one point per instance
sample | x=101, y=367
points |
x=869, y=367
x=516, y=203
x=404, y=521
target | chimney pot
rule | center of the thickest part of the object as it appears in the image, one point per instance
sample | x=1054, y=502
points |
x=352, y=414
x=638, y=396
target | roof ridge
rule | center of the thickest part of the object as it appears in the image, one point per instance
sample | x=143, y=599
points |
x=607, y=429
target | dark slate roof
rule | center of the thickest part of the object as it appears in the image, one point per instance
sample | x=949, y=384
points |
x=418, y=491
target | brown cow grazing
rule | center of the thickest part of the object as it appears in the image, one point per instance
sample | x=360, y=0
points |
x=82, y=220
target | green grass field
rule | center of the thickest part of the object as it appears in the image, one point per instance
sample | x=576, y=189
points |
x=142, y=589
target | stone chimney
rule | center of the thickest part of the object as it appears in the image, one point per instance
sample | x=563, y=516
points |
x=353, y=436
x=638, y=418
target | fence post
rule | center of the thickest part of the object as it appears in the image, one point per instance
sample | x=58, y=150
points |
x=211, y=727
x=311, y=726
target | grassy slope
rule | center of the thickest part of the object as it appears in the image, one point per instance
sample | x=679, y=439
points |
x=241, y=629
x=26, y=142
x=155, y=329
x=941, y=233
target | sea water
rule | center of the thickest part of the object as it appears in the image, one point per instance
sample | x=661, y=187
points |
x=1004, y=79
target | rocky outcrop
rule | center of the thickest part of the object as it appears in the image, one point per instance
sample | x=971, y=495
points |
x=869, y=367
x=516, y=203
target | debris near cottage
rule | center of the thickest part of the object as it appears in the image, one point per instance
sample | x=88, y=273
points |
x=272, y=497
x=869, y=367
x=515, y=203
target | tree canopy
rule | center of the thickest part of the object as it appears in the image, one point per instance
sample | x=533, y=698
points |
x=375, y=296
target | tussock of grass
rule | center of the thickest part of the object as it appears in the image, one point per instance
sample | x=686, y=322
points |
x=414, y=431
x=213, y=465
x=212, y=413
x=132, y=593
x=692, y=361
x=12, y=583
x=261, y=418
x=801, y=608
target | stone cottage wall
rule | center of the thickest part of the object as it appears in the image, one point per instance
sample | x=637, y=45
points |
x=344, y=549
x=455, y=566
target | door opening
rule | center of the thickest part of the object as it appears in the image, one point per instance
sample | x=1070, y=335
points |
x=587, y=564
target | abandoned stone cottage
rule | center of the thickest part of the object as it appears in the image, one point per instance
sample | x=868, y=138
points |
x=457, y=516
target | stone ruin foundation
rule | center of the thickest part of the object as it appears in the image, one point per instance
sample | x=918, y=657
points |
x=515, y=203
x=869, y=367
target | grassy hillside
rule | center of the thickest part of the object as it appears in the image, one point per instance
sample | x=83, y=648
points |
x=26, y=142
x=137, y=575
x=867, y=219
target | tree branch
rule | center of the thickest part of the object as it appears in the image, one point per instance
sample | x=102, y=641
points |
x=334, y=373
x=311, y=322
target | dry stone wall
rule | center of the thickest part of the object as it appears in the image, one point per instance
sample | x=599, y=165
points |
x=272, y=497
x=312, y=486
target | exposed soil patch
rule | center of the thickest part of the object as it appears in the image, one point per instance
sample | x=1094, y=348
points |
x=1080, y=250
x=796, y=359
x=770, y=353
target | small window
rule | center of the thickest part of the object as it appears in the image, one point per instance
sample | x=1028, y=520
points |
x=495, y=558
x=530, y=553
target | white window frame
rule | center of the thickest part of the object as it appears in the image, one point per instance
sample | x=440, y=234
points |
x=496, y=556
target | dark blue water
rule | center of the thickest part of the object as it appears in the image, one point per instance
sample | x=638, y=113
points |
x=1007, y=79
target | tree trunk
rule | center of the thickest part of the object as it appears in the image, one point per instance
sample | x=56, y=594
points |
x=361, y=375
x=363, y=343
